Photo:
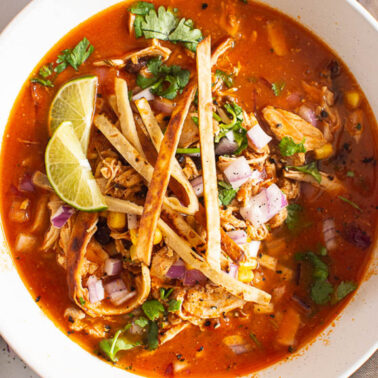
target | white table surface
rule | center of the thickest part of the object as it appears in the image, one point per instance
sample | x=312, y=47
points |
x=10, y=365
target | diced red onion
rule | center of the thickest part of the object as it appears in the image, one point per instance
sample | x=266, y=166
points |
x=177, y=270
x=163, y=106
x=238, y=236
x=258, y=138
x=132, y=221
x=60, y=218
x=197, y=185
x=194, y=276
x=294, y=99
x=257, y=176
x=225, y=147
x=233, y=270
x=113, y=266
x=307, y=114
x=26, y=184
x=302, y=304
x=146, y=93
x=121, y=296
x=251, y=249
x=329, y=233
x=114, y=286
x=238, y=172
x=95, y=289
x=264, y=205
x=240, y=349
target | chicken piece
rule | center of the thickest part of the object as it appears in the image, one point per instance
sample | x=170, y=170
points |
x=190, y=133
x=190, y=170
x=209, y=301
x=162, y=260
x=284, y=123
x=228, y=221
x=229, y=21
x=257, y=233
x=328, y=183
x=278, y=219
x=290, y=188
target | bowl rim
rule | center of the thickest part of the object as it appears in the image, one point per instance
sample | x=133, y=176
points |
x=7, y=334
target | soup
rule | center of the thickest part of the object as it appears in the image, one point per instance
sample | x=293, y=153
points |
x=167, y=179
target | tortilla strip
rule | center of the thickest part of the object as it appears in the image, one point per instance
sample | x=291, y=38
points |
x=161, y=176
x=221, y=49
x=156, y=49
x=157, y=136
x=209, y=172
x=83, y=229
x=184, y=250
x=125, y=114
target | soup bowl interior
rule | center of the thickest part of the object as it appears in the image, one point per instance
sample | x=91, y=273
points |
x=348, y=29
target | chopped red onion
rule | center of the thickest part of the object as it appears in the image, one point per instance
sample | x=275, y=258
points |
x=113, y=266
x=177, y=270
x=251, y=249
x=240, y=349
x=194, y=276
x=114, y=286
x=225, y=147
x=233, y=270
x=95, y=289
x=258, y=138
x=26, y=184
x=163, y=106
x=197, y=185
x=238, y=172
x=238, y=236
x=294, y=99
x=307, y=114
x=264, y=205
x=60, y=218
x=329, y=233
x=121, y=296
x=146, y=93
x=132, y=221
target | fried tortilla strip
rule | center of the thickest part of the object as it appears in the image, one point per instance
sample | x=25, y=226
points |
x=284, y=123
x=210, y=186
x=184, y=250
x=126, y=117
x=221, y=49
x=83, y=229
x=157, y=136
x=161, y=176
x=156, y=49
x=328, y=183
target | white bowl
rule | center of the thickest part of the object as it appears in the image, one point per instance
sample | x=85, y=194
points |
x=348, y=29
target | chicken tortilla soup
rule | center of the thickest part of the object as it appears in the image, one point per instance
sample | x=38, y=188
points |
x=190, y=187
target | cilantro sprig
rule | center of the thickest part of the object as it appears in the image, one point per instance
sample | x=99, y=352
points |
x=288, y=147
x=225, y=193
x=164, y=24
x=165, y=81
x=310, y=169
x=278, y=87
x=225, y=77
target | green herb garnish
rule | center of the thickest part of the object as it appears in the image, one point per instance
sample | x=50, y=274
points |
x=351, y=203
x=225, y=193
x=174, y=305
x=255, y=340
x=110, y=347
x=288, y=147
x=195, y=120
x=350, y=174
x=153, y=309
x=166, y=81
x=321, y=292
x=344, y=288
x=278, y=87
x=141, y=8
x=152, y=336
x=45, y=82
x=310, y=169
x=225, y=77
x=188, y=151
x=294, y=211
x=82, y=301
x=165, y=293
x=141, y=322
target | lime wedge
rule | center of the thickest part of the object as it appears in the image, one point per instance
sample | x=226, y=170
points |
x=69, y=171
x=75, y=103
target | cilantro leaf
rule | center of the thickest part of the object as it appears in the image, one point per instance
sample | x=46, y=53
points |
x=153, y=309
x=110, y=347
x=75, y=57
x=288, y=147
x=294, y=211
x=225, y=193
x=186, y=34
x=174, y=305
x=344, y=288
x=278, y=87
x=152, y=336
x=225, y=77
x=321, y=291
x=141, y=8
x=320, y=268
x=165, y=293
x=141, y=322
x=158, y=24
x=39, y=80
x=138, y=26
x=310, y=169
x=349, y=202
x=46, y=70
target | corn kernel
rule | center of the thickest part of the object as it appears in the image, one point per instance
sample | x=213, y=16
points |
x=116, y=220
x=324, y=152
x=353, y=99
x=245, y=274
x=158, y=236
x=134, y=236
